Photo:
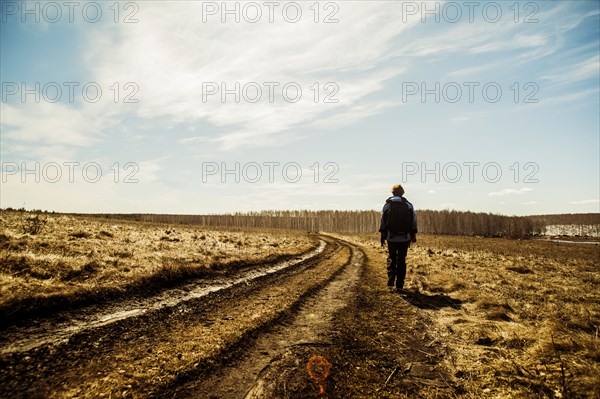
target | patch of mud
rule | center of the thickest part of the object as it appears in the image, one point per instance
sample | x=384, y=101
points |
x=275, y=366
x=66, y=324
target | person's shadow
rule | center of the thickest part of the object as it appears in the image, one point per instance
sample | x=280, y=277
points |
x=424, y=301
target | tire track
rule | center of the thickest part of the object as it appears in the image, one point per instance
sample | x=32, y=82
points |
x=275, y=363
x=53, y=331
x=139, y=354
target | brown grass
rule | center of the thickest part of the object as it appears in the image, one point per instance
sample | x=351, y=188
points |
x=156, y=356
x=75, y=259
x=529, y=321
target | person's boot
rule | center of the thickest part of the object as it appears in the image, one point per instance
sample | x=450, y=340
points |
x=391, y=281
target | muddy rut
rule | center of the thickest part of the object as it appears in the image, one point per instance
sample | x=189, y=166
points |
x=33, y=334
x=277, y=359
x=242, y=336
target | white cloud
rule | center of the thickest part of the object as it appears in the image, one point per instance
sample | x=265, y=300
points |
x=459, y=119
x=565, y=98
x=79, y=195
x=471, y=71
x=510, y=191
x=58, y=130
x=173, y=59
x=518, y=41
x=353, y=114
x=146, y=171
x=585, y=202
x=586, y=69
x=46, y=122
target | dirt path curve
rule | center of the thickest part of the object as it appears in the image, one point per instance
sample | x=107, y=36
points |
x=329, y=314
x=126, y=352
x=62, y=326
x=274, y=366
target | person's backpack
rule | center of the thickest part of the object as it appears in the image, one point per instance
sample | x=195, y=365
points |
x=399, y=218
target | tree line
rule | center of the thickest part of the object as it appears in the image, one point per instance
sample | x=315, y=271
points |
x=429, y=221
x=433, y=222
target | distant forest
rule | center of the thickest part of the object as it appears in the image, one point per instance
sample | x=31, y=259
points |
x=432, y=222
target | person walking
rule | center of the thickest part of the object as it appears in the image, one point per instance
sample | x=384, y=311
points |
x=399, y=228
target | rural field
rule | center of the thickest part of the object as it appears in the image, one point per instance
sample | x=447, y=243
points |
x=98, y=307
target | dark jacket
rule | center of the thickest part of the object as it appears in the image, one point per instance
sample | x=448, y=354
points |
x=383, y=227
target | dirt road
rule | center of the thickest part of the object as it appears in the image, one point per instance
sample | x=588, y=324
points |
x=281, y=331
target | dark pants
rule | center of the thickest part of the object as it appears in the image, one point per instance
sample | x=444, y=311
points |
x=396, y=263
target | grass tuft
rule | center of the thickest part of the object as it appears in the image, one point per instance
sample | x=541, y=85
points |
x=519, y=269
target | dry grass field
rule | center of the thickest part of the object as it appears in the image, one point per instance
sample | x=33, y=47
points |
x=54, y=261
x=513, y=319
x=481, y=318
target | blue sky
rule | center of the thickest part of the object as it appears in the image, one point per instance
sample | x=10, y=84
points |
x=480, y=106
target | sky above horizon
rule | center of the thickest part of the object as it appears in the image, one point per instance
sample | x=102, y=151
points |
x=208, y=107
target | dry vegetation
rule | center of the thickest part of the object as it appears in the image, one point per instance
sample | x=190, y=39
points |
x=484, y=318
x=526, y=314
x=53, y=261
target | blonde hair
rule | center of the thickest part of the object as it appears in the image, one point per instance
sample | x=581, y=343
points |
x=397, y=190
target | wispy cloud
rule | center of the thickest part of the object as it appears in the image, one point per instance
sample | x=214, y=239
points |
x=354, y=114
x=576, y=96
x=196, y=55
x=47, y=123
x=473, y=70
x=519, y=41
x=510, y=191
x=585, y=202
x=566, y=75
